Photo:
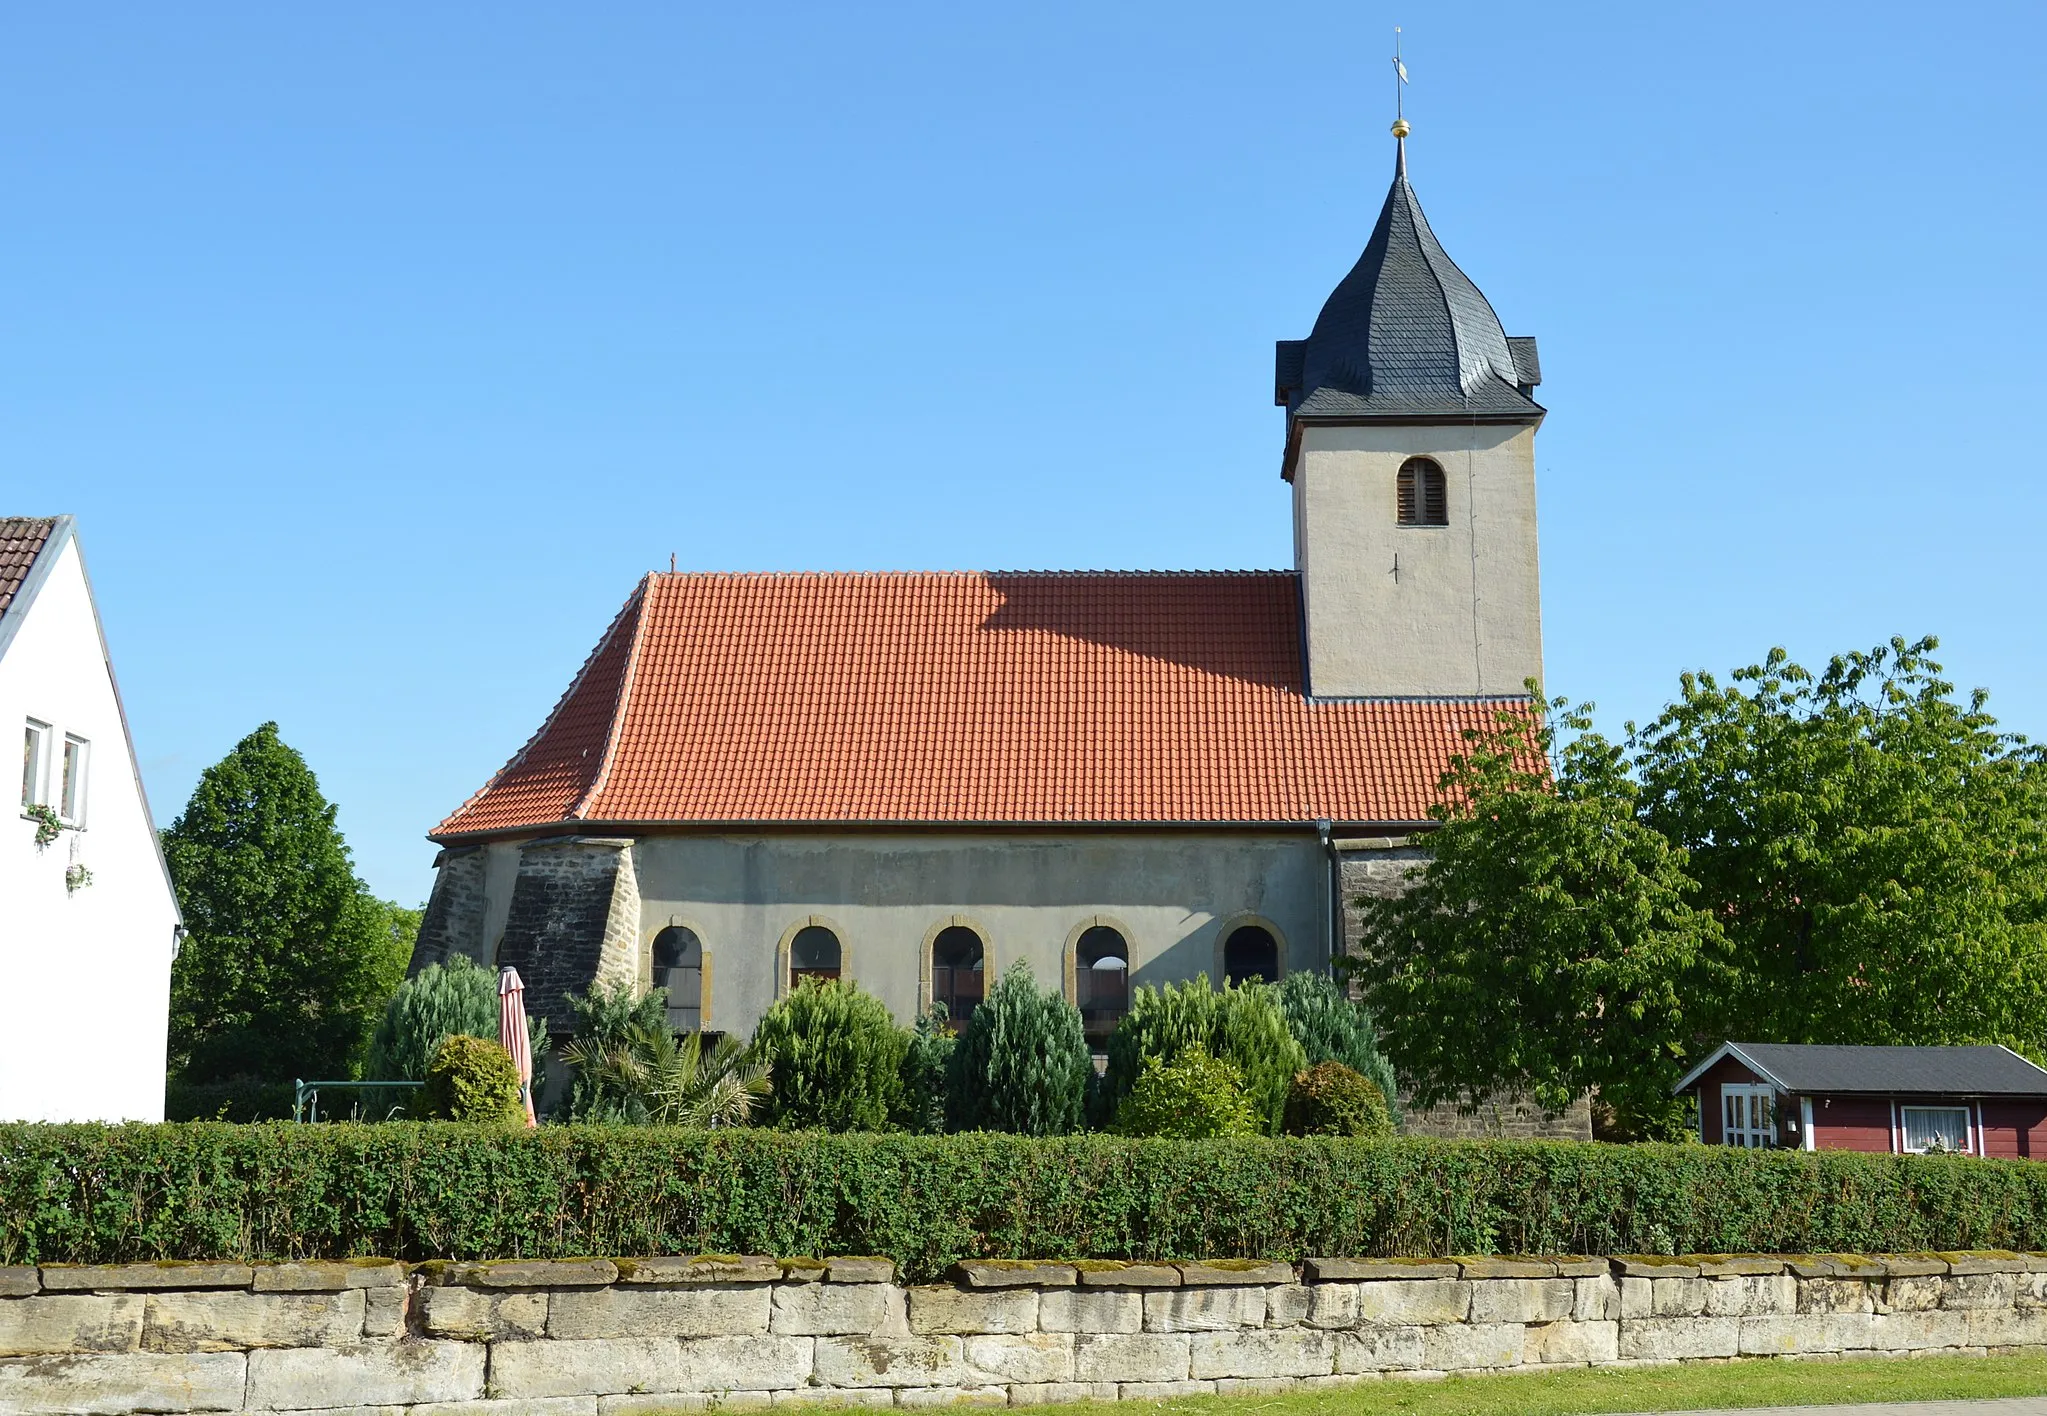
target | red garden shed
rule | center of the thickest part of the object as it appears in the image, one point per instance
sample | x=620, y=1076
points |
x=1975, y=1100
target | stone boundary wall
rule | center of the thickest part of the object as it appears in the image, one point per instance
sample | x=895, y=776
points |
x=595, y=1337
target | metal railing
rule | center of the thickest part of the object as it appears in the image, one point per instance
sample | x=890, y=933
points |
x=305, y=1098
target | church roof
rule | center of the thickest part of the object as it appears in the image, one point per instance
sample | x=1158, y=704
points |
x=1407, y=335
x=965, y=697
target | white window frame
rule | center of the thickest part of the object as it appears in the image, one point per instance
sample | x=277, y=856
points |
x=1742, y=1122
x=73, y=786
x=1905, y=1127
x=35, y=776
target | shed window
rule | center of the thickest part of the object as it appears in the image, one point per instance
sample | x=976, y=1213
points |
x=813, y=953
x=1424, y=500
x=1748, y=1115
x=1101, y=981
x=679, y=968
x=1251, y=953
x=957, y=972
x=35, y=764
x=1935, y=1128
x=71, y=799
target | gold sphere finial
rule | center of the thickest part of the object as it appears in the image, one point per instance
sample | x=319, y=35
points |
x=1400, y=128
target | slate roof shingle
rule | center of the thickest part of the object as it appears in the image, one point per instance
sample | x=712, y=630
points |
x=1812, y=1068
x=21, y=541
x=1099, y=697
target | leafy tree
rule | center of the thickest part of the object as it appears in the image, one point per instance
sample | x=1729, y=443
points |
x=926, y=1061
x=471, y=1079
x=1331, y=1027
x=1330, y=1099
x=288, y=958
x=1022, y=1063
x=1550, y=943
x=838, y=1058
x=1191, y=1096
x=1242, y=1024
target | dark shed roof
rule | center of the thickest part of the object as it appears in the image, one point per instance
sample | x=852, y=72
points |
x=1810, y=1068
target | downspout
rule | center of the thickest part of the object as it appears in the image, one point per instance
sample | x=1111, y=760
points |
x=1332, y=903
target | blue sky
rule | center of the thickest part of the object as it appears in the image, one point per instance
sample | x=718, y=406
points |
x=380, y=351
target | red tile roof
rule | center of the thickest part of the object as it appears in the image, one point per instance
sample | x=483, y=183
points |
x=1103, y=697
x=21, y=541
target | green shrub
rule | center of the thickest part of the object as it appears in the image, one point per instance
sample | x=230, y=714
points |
x=1022, y=1062
x=613, y=1024
x=1194, y=1097
x=441, y=1000
x=838, y=1058
x=471, y=1079
x=1330, y=1099
x=1243, y=1025
x=107, y=1194
x=920, y=1107
x=1330, y=1027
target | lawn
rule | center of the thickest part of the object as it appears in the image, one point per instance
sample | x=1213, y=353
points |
x=1687, y=1388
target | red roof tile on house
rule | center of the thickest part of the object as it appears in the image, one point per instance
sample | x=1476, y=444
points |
x=1100, y=697
x=21, y=541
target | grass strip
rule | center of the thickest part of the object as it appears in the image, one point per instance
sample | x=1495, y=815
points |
x=1691, y=1387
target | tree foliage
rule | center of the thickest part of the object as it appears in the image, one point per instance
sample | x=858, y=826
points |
x=1332, y=1027
x=1022, y=1062
x=920, y=1106
x=1330, y=1099
x=287, y=959
x=459, y=996
x=1241, y=1024
x=838, y=1058
x=471, y=1079
x=1190, y=1096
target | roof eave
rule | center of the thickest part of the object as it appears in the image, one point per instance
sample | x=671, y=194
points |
x=1296, y=421
x=586, y=826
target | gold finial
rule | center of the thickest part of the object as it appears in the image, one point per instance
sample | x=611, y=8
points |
x=1400, y=128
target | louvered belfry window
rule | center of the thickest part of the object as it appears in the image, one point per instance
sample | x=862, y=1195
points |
x=1423, y=499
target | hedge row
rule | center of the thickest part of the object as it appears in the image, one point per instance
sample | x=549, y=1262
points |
x=418, y=1191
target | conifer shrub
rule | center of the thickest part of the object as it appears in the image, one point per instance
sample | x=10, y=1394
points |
x=921, y=1107
x=1241, y=1024
x=1330, y=1099
x=1193, y=1097
x=838, y=1058
x=1022, y=1062
x=471, y=1079
x=1331, y=1027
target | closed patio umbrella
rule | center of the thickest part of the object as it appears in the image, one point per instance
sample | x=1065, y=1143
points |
x=512, y=1032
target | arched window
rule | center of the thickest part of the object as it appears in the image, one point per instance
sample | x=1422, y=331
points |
x=1251, y=952
x=813, y=953
x=956, y=972
x=1101, y=981
x=1424, y=500
x=679, y=968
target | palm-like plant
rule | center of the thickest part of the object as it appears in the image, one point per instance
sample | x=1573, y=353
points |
x=630, y=1067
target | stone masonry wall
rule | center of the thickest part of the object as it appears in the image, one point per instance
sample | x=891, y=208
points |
x=594, y=1337
x=575, y=920
x=453, y=923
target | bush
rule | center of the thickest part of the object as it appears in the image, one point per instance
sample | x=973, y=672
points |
x=838, y=1058
x=110, y=1194
x=920, y=1108
x=441, y=1000
x=1332, y=1028
x=1330, y=1099
x=1194, y=1097
x=612, y=1025
x=1021, y=1064
x=1241, y=1025
x=471, y=1079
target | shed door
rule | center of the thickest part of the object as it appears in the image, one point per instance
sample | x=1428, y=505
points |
x=1746, y=1115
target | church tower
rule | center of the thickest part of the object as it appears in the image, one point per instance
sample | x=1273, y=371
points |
x=1410, y=446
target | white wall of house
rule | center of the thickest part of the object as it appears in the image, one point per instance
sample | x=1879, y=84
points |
x=84, y=972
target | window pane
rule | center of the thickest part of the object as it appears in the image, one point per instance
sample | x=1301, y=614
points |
x=73, y=808
x=35, y=742
x=1942, y=1128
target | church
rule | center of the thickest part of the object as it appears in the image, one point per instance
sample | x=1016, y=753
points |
x=914, y=780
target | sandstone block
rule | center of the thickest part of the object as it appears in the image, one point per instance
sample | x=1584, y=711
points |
x=1257, y=1386
x=1036, y=1357
x=1374, y=1350
x=1804, y=1333
x=1914, y=1266
x=74, y=1278
x=1669, y=1339
x=1595, y=1300
x=1496, y=1266
x=477, y=1315
x=535, y=1273
x=1296, y=1353
x=860, y=1270
x=662, y=1312
x=1132, y=1357
x=953, y=1396
x=1737, y=1266
x=1636, y=1297
x=832, y=1396
x=1408, y=1303
x=816, y=1309
x=62, y=1323
x=941, y=1308
x=1979, y=1290
x=1332, y=1305
x=1992, y=1327
x=224, y=1320
x=1919, y=1331
x=2031, y=1290
x=373, y=1374
x=1837, y=1295
x=669, y=1403
x=1287, y=1306
x=538, y=1406
x=1653, y=1266
x=328, y=1275
x=1918, y=1294
x=1056, y=1393
x=117, y=1385
x=384, y=1312
x=1974, y=1262
x=1163, y=1391
x=1677, y=1297
x=700, y=1268
x=744, y=1363
x=803, y=1270
x=1471, y=1346
x=1011, y=1273
x=17, y=1281
x=1570, y=1343
x=891, y=1362
x=1569, y=1266
x=1090, y=1310
x=1371, y=1270
x=600, y=1367
x=1100, y=1273
x=1523, y=1300
x=1204, y=1309
x=1762, y=1296
x=1228, y=1272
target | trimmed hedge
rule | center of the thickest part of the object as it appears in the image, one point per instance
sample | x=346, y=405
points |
x=412, y=1190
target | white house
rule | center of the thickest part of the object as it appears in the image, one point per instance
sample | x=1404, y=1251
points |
x=88, y=918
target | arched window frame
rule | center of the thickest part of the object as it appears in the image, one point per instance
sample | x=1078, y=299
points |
x=1236, y=922
x=701, y=1007
x=784, y=975
x=928, y=962
x=1421, y=494
x=1099, y=1027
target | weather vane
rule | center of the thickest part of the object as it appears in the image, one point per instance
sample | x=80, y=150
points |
x=1400, y=128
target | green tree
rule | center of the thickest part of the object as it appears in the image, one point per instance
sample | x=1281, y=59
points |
x=1191, y=1096
x=441, y=1000
x=1551, y=943
x=287, y=959
x=1022, y=1062
x=1874, y=848
x=1241, y=1024
x=926, y=1064
x=1331, y=1027
x=1330, y=1099
x=838, y=1058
